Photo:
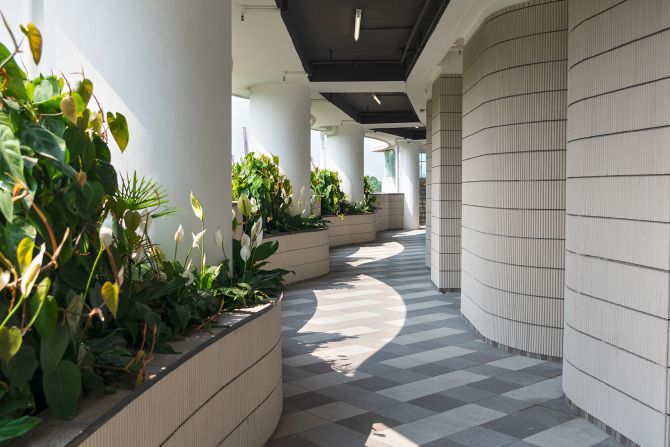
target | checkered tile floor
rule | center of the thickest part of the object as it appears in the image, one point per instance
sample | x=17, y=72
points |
x=374, y=356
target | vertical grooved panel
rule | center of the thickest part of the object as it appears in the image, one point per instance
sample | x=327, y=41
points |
x=444, y=128
x=617, y=262
x=428, y=150
x=513, y=176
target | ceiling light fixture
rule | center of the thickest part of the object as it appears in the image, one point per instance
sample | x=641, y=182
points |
x=376, y=98
x=357, y=24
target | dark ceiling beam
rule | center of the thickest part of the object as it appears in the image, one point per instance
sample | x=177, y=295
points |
x=412, y=33
x=405, y=132
x=341, y=103
x=349, y=71
x=387, y=117
x=429, y=32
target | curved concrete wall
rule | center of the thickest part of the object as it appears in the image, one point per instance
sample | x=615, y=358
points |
x=514, y=111
x=618, y=216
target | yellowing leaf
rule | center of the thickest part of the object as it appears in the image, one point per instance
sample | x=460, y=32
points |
x=110, y=295
x=34, y=41
x=10, y=343
x=68, y=106
x=119, y=128
x=85, y=90
x=24, y=253
x=197, y=207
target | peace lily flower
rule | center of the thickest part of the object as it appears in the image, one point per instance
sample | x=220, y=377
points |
x=245, y=249
x=244, y=205
x=218, y=237
x=106, y=236
x=4, y=279
x=179, y=234
x=32, y=272
x=197, y=238
x=256, y=228
x=188, y=273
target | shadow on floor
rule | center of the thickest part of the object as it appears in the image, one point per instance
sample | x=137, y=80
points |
x=375, y=356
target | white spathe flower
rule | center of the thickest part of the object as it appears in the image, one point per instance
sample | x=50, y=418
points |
x=256, y=228
x=245, y=241
x=197, y=238
x=106, y=236
x=4, y=279
x=188, y=272
x=245, y=253
x=218, y=237
x=32, y=272
x=179, y=234
x=259, y=238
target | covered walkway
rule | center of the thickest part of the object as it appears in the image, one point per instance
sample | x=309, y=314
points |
x=374, y=355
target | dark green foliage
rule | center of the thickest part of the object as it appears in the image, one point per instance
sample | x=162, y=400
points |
x=327, y=185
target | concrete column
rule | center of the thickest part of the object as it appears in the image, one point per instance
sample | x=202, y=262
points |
x=408, y=181
x=617, y=245
x=166, y=65
x=513, y=202
x=345, y=154
x=446, y=145
x=279, y=124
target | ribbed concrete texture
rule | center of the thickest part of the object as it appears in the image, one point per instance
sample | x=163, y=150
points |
x=427, y=149
x=445, y=263
x=514, y=109
x=618, y=216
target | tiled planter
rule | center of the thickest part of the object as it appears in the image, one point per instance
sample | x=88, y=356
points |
x=389, y=211
x=352, y=229
x=224, y=388
x=305, y=254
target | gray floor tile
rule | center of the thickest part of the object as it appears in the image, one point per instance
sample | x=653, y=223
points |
x=468, y=394
x=405, y=412
x=329, y=435
x=307, y=400
x=437, y=403
x=504, y=404
x=367, y=423
x=482, y=437
x=495, y=385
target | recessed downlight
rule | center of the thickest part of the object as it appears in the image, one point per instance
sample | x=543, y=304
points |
x=376, y=98
x=357, y=24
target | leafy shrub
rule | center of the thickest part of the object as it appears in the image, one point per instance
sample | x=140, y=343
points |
x=369, y=193
x=84, y=305
x=259, y=178
x=327, y=185
x=375, y=185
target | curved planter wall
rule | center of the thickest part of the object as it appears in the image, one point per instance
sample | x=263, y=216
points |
x=224, y=390
x=352, y=229
x=514, y=110
x=389, y=211
x=617, y=288
x=305, y=254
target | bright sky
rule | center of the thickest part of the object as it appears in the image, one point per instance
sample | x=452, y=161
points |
x=374, y=161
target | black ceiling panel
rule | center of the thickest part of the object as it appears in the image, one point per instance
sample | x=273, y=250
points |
x=410, y=133
x=361, y=107
x=393, y=33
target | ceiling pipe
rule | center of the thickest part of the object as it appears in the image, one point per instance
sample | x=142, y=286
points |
x=412, y=33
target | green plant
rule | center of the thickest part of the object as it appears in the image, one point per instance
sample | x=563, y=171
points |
x=326, y=184
x=259, y=178
x=373, y=184
x=369, y=193
x=55, y=176
x=86, y=297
